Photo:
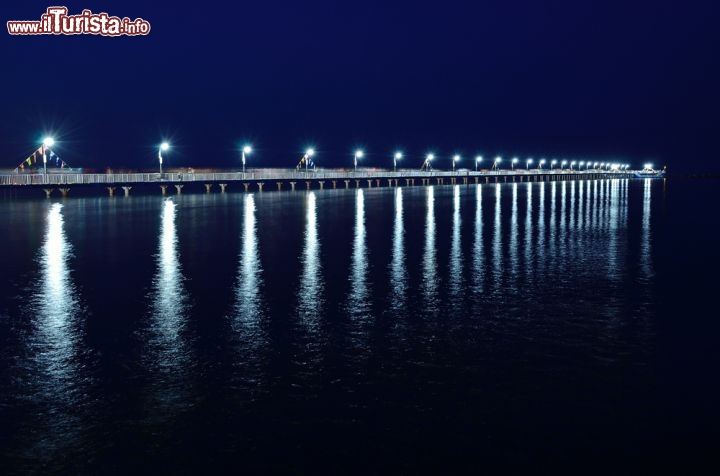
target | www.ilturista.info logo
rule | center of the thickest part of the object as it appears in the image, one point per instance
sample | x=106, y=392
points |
x=57, y=22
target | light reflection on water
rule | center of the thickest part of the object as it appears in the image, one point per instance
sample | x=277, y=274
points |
x=545, y=285
x=398, y=268
x=168, y=354
x=58, y=380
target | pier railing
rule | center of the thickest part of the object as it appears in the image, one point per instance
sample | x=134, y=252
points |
x=259, y=175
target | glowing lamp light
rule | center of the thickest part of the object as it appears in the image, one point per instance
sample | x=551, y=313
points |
x=398, y=155
x=48, y=142
x=310, y=152
x=247, y=149
x=164, y=146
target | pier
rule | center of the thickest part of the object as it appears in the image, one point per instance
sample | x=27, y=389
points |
x=277, y=179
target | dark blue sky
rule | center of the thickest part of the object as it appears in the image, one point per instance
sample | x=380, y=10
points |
x=632, y=79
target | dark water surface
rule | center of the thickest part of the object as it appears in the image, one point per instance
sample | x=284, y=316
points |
x=361, y=331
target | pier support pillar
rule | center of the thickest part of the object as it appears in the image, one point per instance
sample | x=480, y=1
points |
x=465, y=180
x=369, y=183
x=357, y=184
x=292, y=185
x=48, y=192
x=208, y=187
x=307, y=184
x=260, y=185
x=334, y=182
x=322, y=184
x=279, y=185
x=179, y=188
x=247, y=186
x=222, y=187
x=477, y=179
x=127, y=189
x=347, y=184
x=163, y=189
x=487, y=179
x=377, y=182
x=111, y=191
x=390, y=182
x=453, y=180
x=407, y=182
x=64, y=191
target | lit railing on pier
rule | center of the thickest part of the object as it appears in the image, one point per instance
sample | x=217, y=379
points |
x=259, y=175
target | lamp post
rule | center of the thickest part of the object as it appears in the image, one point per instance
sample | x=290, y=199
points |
x=245, y=151
x=513, y=162
x=541, y=163
x=47, y=142
x=527, y=164
x=308, y=153
x=163, y=148
x=552, y=164
x=497, y=161
x=478, y=159
x=455, y=158
x=572, y=164
x=428, y=159
x=563, y=164
x=358, y=155
x=396, y=157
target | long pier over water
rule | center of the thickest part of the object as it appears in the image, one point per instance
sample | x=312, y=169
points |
x=282, y=179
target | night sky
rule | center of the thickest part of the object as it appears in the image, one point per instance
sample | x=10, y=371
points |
x=636, y=80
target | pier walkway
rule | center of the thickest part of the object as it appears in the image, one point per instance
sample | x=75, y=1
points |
x=291, y=179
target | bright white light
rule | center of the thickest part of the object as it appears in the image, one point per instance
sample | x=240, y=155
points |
x=247, y=149
x=573, y=162
x=529, y=161
x=515, y=160
x=430, y=157
x=164, y=146
x=456, y=158
x=554, y=162
x=310, y=152
x=542, y=161
x=49, y=142
x=398, y=155
x=581, y=163
x=478, y=158
x=564, y=162
x=359, y=153
x=498, y=159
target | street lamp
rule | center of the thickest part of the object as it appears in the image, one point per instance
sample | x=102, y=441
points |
x=552, y=164
x=456, y=158
x=47, y=142
x=541, y=163
x=358, y=155
x=571, y=164
x=512, y=164
x=478, y=159
x=308, y=153
x=563, y=164
x=527, y=164
x=428, y=159
x=498, y=159
x=163, y=148
x=245, y=151
x=398, y=156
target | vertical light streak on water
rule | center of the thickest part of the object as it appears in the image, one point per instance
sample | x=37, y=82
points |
x=311, y=288
x=455, y=281
x=398, y=271
x=497, y=242
x=563, y=213
x=646, y=271
x=588, y=206
x=513, y=252
x=554, y=234
x=168, y=353
x=359, y=298
x=580, y=223
x=478, y=249
x=613, y=265
x=429, y=282
x=56, y=387
x=247, y=321
x=528, y=235
x=540, y=249
x=572, y=234
x=596, y=205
